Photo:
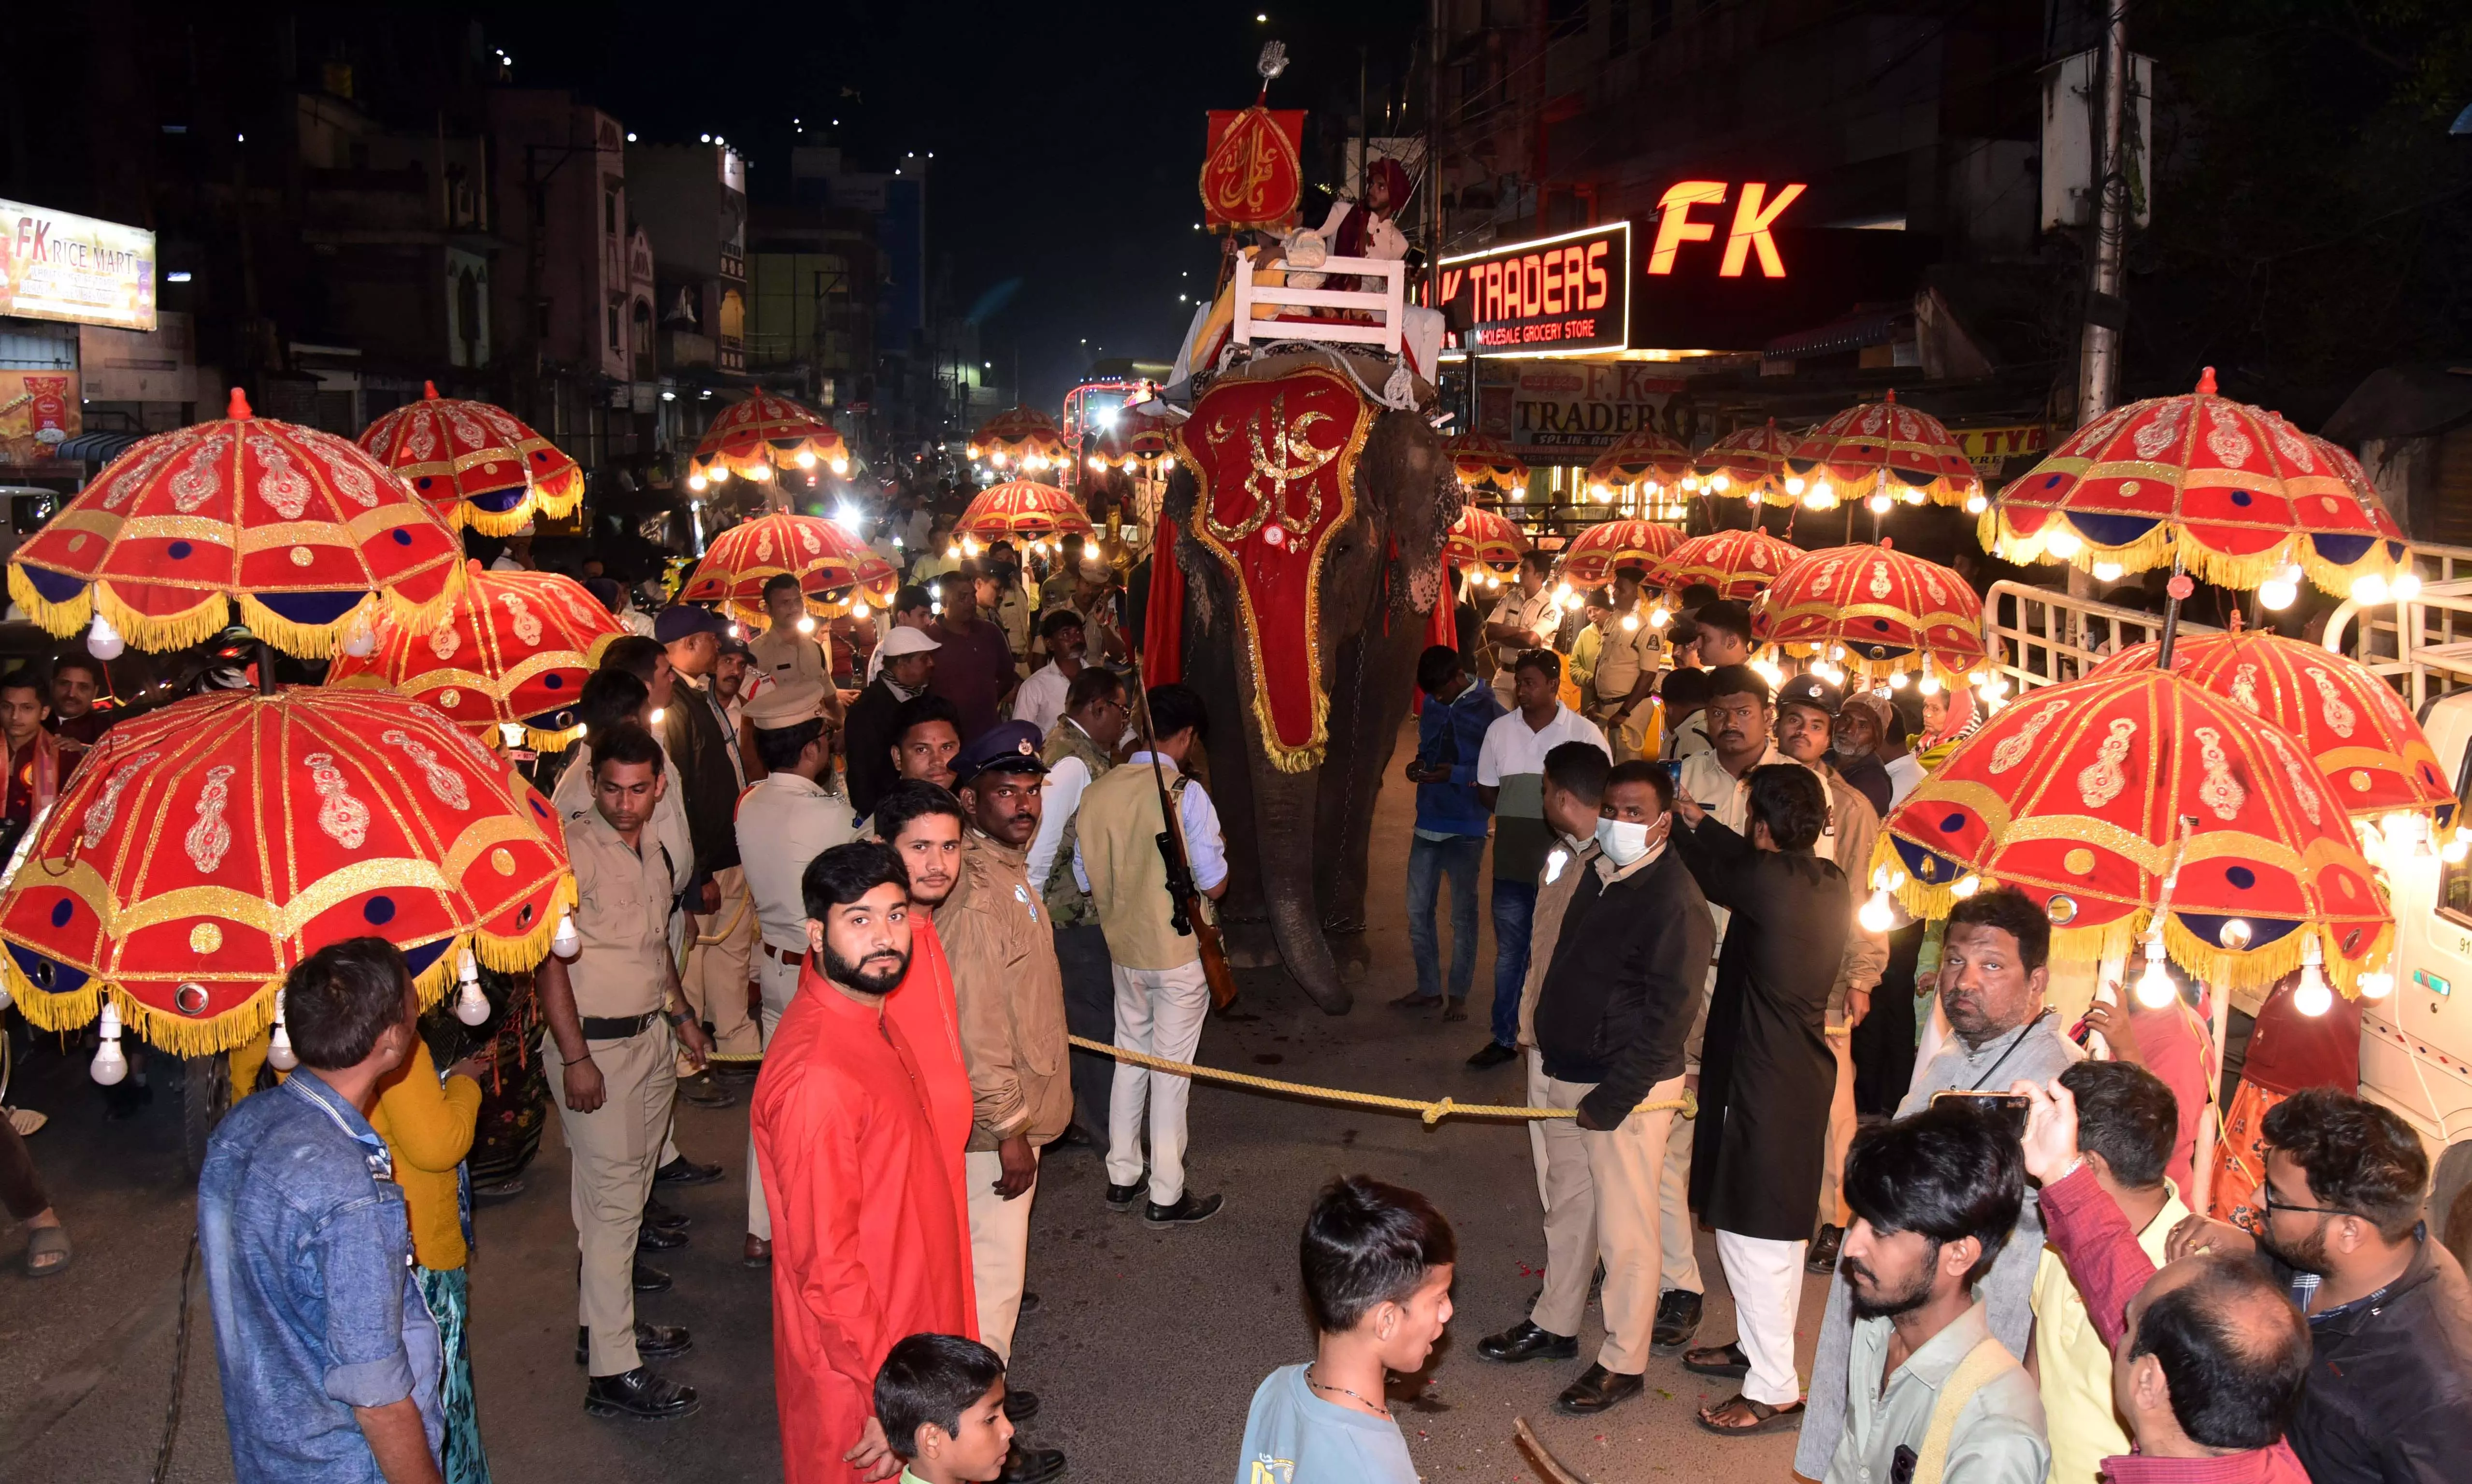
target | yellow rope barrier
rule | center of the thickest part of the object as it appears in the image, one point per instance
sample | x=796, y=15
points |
x=1432, y=1110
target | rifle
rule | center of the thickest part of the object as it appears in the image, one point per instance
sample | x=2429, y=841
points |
x=1186, y=913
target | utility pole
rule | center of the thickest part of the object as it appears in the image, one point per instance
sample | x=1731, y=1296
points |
x=2106, y=314
x=2099, y=366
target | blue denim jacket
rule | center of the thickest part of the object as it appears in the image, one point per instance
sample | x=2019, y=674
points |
x=308, y=1260
x=1454, y=733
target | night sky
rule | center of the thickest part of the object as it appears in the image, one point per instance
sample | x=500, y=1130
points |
x=1066, y=140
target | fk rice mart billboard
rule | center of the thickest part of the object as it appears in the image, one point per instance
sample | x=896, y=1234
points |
x=76, y=270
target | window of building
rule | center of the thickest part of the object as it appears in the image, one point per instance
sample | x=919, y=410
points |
x=1568, y=17
x=610, y=213
x=617, y=339
x=1660, y=17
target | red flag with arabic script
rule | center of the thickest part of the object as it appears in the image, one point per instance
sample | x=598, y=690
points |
x=1276, y=464
x=1250, y=177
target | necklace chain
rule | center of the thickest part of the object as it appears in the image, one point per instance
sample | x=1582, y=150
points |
x=1380, y=1407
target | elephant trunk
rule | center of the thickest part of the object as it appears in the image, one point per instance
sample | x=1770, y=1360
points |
x=1284, y=807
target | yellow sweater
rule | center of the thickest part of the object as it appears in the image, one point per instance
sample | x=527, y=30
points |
x=428, y=1128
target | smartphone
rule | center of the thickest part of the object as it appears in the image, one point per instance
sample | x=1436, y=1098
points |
x=2009, y=1108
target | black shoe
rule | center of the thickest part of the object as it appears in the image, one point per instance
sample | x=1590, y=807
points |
x=1020, y=1406
x=1030, y=1302
x=638, y=1394
x=1186, y=1212
x=686, y=1171
x=1524, y=1341
x=653, y=1342
x=668, y=1218
x=1678, y=1319
x=1124, y=1197
x=1822, y=1256
x=1031, y=1465
x=704, y=1093
x=652, y=1239
x=1076, y=1136
x=1493, y=1054
x=1595, y=1390
x=650, y=1279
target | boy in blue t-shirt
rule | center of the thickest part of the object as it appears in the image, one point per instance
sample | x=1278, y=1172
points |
x=1377, y=1277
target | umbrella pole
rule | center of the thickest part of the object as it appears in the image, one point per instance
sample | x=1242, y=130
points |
x=265, y=669
x=2172, y=594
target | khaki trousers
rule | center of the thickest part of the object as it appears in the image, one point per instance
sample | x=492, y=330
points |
x=999, y=1248
x=718, y=966
x=1630, y=739
x=1678, y=1258
x=778, y=981
x=1600, y=1201
x=1535, y=1061
x=613, y=1151
x=1841, y=1122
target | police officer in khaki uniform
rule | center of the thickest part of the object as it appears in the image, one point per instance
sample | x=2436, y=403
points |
x=781, y=654
x=1626, y=665
x=612, y=1054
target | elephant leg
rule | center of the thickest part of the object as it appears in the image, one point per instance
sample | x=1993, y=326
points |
x=1377, y=673
x=1243, y=916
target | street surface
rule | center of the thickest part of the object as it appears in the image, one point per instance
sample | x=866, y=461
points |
x=1146, y=1349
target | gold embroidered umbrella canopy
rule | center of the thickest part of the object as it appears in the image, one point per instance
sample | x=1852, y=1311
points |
x=1022, y=510
x=1641, y=458
x=2091, y=796
x=1020, y=439
x=1737, y=563
x=1483, y=538
x=1750, y=463
x=2230, y=493
x=1607, y=547
x=307, y=534
x=2378, y=763
x=762, y=439
x=203, y=850
x=1885, y=448
x=1483, y=462
x=833, y=568
x=1877, y=609
x=476, y=463
x=509, y=663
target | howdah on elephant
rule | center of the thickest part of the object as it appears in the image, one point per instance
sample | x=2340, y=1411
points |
x=1309, y=523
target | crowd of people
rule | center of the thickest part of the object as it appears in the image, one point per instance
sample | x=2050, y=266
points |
x=900, y=867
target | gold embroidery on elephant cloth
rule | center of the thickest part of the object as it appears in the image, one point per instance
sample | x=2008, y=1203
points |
x=1282, y=456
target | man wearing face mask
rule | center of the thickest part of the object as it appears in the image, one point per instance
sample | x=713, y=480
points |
x=1629, y=957
x=1764, y=1076
x=1807, y=713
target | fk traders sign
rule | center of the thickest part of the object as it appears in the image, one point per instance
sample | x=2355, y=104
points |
x=75, y=269
x=1554, y=296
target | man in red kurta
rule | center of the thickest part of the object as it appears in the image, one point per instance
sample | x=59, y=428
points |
x=868, y=1240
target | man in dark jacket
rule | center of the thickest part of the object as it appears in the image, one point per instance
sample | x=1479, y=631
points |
x=909, y=665
x=1612, y=1013
x=2390, y=1394
x=1766, y=1073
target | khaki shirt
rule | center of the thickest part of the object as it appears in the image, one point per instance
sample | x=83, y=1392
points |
x=784, y=822
x=1998, y=1435
x=1556, y=885
x=574, y=792
x=621, y=916
x=784, y=653
x=1522, y=611
x=1624, y=656
x=1010, y=993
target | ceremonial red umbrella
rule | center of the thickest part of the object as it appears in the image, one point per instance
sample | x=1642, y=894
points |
x=763, y=437
x=2382, y=568
x=2374, y=755
x=2231, y=493
x=1642, y=456
x=1607, y=547
x=1019, y=439
x=1887, y=447
x=1877, y=609
x=2087, y=796
x=509, y=663
x=1736, y=563
x=203, y=850
x=308, y=534
x=834, y=568
x=1751, y=462
x=1478, y=460
x=476, y=463
x=1022, y=510
x=1482, y=537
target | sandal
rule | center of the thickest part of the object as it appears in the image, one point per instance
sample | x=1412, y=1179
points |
x=1764, y=1417
x=1727, y=1360
x=47, y=1242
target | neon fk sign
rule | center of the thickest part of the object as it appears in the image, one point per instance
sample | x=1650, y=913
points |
x=1755, y=214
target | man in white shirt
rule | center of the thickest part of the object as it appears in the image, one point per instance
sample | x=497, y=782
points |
x=1080, y=748
x=1510, y=781
x=1040, y=700
x=792, y=815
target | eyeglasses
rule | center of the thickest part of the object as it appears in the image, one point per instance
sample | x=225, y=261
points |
x=2275, y=1203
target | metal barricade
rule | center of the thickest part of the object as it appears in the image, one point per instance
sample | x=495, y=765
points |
x=2037, y=636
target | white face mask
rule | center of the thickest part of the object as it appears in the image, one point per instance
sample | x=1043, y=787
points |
x=1623, y=840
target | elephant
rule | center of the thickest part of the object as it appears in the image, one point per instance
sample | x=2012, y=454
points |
x=1299, y=819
